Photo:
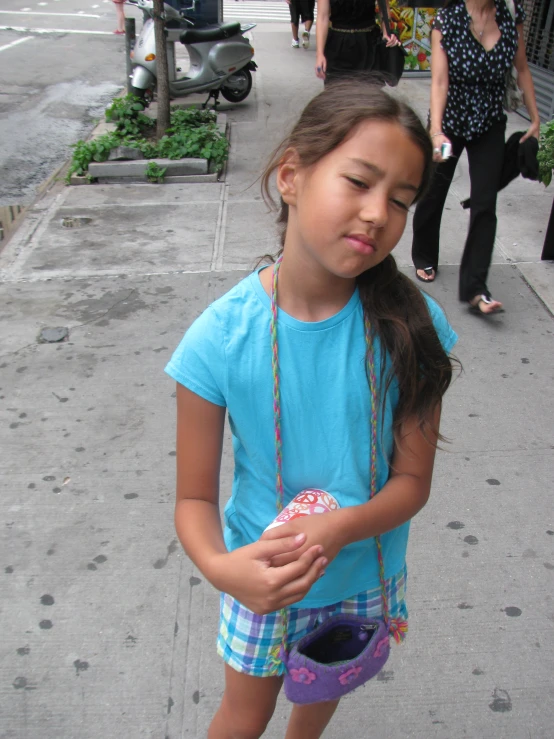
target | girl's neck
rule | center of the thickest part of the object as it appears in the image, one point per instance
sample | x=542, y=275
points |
x=308, y=293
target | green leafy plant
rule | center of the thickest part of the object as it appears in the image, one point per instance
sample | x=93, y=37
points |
x=96, y=150
x=545, y=157
x=192, y=133
x=155, y=173
x=127, y=113
x=190, y=118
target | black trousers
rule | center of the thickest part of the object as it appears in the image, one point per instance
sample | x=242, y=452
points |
x=485, y=155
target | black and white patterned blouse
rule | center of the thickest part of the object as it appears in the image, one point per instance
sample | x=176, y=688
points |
x=476, y=77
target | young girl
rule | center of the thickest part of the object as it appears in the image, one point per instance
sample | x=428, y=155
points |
x=353, y=165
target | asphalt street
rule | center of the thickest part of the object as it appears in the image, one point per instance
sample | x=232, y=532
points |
x=60, y=65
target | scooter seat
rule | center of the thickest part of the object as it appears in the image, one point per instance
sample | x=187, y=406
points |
x=197, y=35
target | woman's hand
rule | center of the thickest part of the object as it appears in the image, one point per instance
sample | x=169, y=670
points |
x=249, y=576
x=533, y=130
x=438, y=140
x=320, y=66
x=323, y=529
x=391, y=40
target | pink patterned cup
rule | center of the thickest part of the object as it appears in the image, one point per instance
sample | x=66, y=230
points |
x=304, y=504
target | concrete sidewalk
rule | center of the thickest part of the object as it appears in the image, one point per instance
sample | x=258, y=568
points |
x=107, y=629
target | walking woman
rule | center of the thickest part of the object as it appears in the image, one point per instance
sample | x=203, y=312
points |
x=474, y=43
x=347, y=37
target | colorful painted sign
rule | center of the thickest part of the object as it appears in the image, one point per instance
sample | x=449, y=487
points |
x=413, y=27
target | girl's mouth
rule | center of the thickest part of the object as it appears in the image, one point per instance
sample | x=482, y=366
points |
x=360, y=243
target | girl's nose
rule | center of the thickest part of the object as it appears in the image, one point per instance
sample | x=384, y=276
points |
x=375, y=209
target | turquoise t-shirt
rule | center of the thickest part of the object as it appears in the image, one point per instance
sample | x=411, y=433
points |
x=225, y=357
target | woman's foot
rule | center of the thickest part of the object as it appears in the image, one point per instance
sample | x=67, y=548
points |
x=427, y=274
x=119, y=32
x=485, y=305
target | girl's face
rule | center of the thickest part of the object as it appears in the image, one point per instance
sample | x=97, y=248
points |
x=348, y=211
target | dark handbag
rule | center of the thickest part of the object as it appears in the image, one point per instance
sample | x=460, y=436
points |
x=389, y=60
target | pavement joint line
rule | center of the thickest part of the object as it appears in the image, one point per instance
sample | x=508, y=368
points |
x=115, y=275
x=535, y=291
x=219, y=241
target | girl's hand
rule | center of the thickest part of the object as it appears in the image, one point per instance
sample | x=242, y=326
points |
x=533, y=130
x=249, y=576
x=321, y=528
x=438, y=141
x=320, y=66
x=391, y=40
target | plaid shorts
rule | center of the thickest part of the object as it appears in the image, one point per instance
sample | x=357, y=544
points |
x=245, y=639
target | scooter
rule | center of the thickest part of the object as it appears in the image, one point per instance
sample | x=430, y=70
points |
x=220, y=57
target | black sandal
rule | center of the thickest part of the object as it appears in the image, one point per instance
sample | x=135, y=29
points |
x=429, y=271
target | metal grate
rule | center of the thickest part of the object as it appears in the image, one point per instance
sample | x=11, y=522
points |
x=539, y=33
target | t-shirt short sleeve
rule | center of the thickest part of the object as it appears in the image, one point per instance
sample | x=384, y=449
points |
x=447, y=336
x=199, y=362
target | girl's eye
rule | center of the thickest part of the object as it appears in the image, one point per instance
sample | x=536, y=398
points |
x=401, y=205
x=357, y=183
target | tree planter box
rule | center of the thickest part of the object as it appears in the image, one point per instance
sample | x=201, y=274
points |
x=133, y=171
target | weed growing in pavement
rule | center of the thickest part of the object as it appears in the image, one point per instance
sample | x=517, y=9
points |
x=191, y=133
x=155, y=173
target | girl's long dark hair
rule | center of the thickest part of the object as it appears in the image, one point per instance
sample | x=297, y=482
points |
x=398, y=311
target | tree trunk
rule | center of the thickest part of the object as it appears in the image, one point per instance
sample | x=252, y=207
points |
x=161, y=70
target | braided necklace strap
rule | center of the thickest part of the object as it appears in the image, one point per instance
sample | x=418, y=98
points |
x=395, y=626
x=276, y=390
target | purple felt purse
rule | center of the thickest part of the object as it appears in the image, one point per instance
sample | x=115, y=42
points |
x=345, y=651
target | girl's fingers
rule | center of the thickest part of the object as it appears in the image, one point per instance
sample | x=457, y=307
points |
x=306, y=568
x=295, y=590
x=269, y=548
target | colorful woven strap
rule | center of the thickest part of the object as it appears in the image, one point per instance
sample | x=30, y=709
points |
x=396, y=627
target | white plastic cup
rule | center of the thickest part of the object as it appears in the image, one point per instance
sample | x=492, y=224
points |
x=305, y=503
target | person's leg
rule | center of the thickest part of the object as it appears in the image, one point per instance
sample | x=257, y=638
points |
x=308, y=18
x=294, y=21
x=247, y=705
x=485, y=155
x=309, y=721
x=120, y=13
x=428, y=214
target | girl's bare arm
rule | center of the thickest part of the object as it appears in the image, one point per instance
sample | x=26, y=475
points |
x=246, y=573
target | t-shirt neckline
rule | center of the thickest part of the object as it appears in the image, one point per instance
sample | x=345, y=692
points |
x=288, y=320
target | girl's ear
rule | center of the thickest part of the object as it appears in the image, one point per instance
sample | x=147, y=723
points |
x=287, y=175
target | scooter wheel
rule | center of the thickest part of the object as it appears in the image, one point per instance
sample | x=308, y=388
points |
x=237, y=87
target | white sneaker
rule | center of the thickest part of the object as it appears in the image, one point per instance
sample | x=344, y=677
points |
x=305, y=40
x=295, y=44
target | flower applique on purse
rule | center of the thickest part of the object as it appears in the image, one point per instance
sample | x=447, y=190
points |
x=344, y=651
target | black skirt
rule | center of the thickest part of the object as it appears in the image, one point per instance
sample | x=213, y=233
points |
x=350, y=52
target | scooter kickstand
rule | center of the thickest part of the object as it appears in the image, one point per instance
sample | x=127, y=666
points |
x=215, y=95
